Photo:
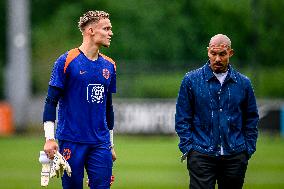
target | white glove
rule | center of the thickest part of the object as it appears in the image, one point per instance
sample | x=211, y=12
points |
x=45, y=169
x=59, y=165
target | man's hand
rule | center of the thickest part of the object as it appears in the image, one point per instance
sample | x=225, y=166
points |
x=111, y=179
x=59, y=165
x=50, y=148
x=113, y=154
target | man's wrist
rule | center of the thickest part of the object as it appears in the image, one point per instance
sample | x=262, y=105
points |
x=49, y=130
x=111, y=138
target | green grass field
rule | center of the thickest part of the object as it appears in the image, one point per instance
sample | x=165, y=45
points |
x=144, y=162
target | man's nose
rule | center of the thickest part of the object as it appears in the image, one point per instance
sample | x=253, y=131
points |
x=218, y=58
x=110, y=33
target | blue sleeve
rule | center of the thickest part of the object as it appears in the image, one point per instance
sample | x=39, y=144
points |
x=183, y=117
x=53, y=96
x=112, y=86
x=58, y=76
x=109, y=112
x=251, y=118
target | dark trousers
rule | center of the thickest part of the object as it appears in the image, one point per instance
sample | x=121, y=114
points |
x=229, y=171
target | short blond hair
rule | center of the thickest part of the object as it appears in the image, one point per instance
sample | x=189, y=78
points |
x=91, y=17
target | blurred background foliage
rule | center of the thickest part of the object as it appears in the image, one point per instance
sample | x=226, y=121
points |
x=156, y=42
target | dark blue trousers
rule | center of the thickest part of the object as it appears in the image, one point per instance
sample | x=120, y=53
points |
x=96, y=159
x=229, y=171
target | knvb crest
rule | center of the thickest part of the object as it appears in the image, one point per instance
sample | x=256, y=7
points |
x=106, y=73
x=66, y=153
x=95, y=93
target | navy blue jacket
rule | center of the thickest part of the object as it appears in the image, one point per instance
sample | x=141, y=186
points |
x=209, y=115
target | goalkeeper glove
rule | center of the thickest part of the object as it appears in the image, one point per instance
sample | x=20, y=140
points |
x=45, y=169
x=59, y=165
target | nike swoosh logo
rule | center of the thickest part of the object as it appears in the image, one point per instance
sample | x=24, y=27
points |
x=82, y=72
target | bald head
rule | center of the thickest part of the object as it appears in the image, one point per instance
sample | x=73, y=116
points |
x=220, y=40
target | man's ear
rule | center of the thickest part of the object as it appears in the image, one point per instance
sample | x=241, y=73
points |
x=90, y=30
x=231, y=53
x=208, y=51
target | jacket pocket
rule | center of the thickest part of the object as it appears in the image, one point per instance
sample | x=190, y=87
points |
x=202, y=135
x=234, y=135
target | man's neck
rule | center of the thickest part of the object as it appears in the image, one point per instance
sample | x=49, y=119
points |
x=221, y=76
x=89, y=50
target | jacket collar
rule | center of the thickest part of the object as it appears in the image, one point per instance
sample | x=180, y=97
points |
x=208, y=73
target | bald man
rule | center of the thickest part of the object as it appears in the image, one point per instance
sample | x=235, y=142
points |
x=216, y=120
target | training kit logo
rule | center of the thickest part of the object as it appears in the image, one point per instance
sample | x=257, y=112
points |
x=95, y=93
x=82, y=72
x=106, y=73
x=66, y=153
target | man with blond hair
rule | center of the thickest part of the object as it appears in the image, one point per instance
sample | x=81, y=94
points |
x=216, y=120
x=82, y=81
